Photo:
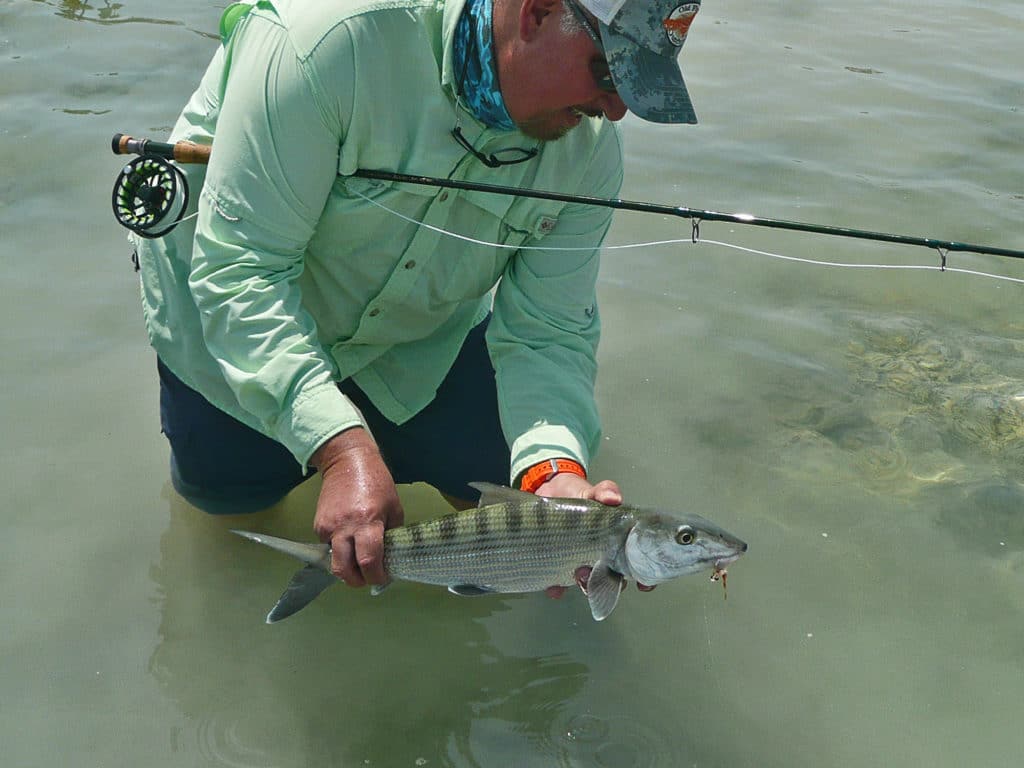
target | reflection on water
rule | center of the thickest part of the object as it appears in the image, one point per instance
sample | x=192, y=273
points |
x=413, y=677
x=77, y=10
x=111, y=13
x=325, y=670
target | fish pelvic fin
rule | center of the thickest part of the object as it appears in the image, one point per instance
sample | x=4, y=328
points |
x=304, y=587
x=603, y=589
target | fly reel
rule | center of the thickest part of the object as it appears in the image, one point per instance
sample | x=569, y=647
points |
x=150, y=196
x=151, y=193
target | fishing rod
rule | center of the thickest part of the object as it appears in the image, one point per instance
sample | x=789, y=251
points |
x=146, y=192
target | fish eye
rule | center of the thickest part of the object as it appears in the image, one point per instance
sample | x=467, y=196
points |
x=685, y=535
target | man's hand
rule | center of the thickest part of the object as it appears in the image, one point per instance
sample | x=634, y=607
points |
x=566, y=485
x=357, y=503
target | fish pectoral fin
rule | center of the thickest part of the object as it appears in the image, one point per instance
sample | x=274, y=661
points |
x=469, y=590
x=603, y=589
x=499, y=494
x=305, y=585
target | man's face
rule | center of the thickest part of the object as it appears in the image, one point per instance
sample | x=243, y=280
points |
x=559, y=85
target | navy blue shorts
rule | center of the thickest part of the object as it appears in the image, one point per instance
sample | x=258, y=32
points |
x=224, y=467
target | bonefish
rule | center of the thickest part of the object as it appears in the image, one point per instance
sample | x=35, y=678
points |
x=520, y=542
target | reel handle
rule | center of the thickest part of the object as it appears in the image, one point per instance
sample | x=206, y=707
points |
x=182, y=152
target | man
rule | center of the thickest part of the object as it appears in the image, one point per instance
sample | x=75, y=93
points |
x=313, y=320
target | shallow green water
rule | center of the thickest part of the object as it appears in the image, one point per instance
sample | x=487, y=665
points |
x=862, y=429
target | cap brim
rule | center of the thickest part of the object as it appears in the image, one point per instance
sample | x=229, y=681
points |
x=650, y=85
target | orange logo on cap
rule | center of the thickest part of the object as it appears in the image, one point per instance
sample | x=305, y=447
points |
x=678, y=22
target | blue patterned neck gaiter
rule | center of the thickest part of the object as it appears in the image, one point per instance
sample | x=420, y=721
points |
x=476, y=73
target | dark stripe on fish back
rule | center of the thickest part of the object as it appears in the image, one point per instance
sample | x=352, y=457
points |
x=573, y=519
x=541, y=511
x=483, y=523
x=513, y=518
x=417, y=535
x=447, y=527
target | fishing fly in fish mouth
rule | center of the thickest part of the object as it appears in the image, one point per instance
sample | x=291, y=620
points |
x=521, y=542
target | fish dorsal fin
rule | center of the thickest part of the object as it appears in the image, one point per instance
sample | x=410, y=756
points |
x=305, y=585
x=603, y=588
x=500, y=494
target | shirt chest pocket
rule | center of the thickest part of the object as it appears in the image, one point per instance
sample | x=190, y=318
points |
x=492, y=228
x=520, y=218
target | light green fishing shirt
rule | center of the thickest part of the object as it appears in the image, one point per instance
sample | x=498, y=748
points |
x=296, y=275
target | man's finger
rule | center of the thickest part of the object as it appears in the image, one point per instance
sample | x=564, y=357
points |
x=582, y=576
x=606, y=492
x=343, y=561
x=369, y=554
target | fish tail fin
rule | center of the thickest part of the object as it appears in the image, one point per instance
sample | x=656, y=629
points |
x=311, y=554
x=307, y=583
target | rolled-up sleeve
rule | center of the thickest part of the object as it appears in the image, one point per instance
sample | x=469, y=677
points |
x=272, y=169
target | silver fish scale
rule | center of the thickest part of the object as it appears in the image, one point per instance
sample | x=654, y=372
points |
x=507, y=547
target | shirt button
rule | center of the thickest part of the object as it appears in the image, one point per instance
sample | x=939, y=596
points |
x=374, y=312
x=410, y=264
x=444, y=196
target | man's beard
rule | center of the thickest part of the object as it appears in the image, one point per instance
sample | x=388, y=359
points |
x=543, y=129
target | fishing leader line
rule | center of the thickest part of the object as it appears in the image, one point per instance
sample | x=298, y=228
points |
x=695, y=239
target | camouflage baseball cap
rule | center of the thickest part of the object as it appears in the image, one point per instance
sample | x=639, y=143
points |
x=642, y=39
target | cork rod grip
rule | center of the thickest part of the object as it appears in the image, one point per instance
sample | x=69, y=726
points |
x=182, y=152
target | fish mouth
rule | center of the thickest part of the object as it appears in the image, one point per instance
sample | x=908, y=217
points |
x=738, y=552
x=721, y=562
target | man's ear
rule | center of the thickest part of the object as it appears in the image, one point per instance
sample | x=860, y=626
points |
x=534, y=13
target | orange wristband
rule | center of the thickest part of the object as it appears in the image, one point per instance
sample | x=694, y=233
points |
x=540, y=473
